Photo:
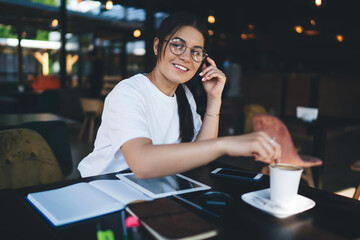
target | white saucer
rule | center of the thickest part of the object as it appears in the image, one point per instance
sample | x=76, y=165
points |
x=261, y=200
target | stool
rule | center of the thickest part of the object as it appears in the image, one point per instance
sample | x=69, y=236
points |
x=356, y=167
x=92, y=109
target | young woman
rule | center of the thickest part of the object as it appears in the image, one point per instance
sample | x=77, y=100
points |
x=149, y=123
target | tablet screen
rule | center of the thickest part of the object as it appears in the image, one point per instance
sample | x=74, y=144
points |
x=164, y=186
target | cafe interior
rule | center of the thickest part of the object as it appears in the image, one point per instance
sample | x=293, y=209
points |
x=295, y=60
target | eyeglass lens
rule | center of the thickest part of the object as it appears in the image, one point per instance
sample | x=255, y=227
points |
x=178, y=47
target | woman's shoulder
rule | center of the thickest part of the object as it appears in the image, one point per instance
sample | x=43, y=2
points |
x=134, y=83
x=132, y=86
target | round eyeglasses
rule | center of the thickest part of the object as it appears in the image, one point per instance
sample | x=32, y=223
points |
x=178, y=47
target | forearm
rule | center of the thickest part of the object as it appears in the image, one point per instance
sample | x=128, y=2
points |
x=147, y=160
x=210, y=126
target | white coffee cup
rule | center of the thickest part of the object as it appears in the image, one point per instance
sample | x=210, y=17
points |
x=284, y=184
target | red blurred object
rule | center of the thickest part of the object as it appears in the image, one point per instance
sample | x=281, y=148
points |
x=41, y=83
x=132, y=222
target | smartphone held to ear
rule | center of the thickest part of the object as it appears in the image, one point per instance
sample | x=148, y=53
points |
x=237, y=174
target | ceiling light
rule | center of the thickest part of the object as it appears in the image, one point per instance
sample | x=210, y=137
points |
x=299, y=29
x=211, y=19
x=137, y=33
x=340, y=38
x=318, y=3
x=109, y=5
x=54, y=22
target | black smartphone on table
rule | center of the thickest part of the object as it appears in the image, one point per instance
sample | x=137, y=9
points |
x=237, y=174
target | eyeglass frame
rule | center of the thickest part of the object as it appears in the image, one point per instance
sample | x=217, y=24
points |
x=187, y=46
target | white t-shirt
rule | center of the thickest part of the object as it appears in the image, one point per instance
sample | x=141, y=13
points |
x=134, y=108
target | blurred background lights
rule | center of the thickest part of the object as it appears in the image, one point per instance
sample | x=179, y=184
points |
x=318, y=3
x=54, y=22
x=109, y=5
x=340, y=38
x=299, y=29
x=137, y=33
x=211, y=19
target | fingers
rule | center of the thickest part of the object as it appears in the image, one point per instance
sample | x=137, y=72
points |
x=211, y=61
x=276, y=147
x=267, y=149
x=211, y=71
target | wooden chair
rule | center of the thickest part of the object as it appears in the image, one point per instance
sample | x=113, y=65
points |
x=26, y=160
x=92, y=109
x=356, y=167
x=274, y=127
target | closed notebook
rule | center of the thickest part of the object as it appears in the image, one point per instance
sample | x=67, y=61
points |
x=166, y=219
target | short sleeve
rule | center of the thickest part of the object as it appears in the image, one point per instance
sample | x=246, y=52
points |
x=124, y=116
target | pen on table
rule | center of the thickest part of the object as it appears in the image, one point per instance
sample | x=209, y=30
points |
x=196, y=206
x=125, y=235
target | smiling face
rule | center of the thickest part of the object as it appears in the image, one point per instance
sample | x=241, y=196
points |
x=173, y=69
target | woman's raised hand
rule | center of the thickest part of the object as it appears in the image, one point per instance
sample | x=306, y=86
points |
x=213, y=79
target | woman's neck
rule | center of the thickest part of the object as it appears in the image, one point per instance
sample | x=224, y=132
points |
x=162, y=83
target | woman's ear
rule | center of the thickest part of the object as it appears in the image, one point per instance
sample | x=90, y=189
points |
x=156, y=46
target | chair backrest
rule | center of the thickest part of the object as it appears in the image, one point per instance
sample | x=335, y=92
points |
x=274, y=127
x=92, y=105
x=249, y=111
x=56, y=135
x=26, y=160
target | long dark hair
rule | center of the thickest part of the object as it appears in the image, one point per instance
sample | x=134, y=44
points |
x=169, y=26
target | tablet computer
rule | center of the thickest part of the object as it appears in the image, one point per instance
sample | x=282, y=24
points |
x=164, y=186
